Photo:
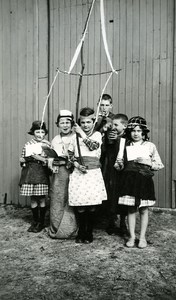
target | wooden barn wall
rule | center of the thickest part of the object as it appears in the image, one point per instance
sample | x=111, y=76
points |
x=23, y=83
x=140, y=40
x=40, y=35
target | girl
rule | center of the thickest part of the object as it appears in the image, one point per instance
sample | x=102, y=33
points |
x=141, y=158
x=86, y=186
x=34, y=179
x=62, y=218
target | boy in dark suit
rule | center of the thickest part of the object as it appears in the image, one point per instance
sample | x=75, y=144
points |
x=111, y=140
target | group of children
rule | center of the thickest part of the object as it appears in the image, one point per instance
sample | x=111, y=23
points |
x=110, y=162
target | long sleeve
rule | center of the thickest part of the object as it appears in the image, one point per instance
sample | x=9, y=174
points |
x=156, y=160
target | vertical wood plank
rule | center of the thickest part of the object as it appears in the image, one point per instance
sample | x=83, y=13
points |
x=174, y=121
x=116, y=58
x=149, y=53
x=122, y=55
x=135, y=62
x=1, y=105
x=14, y=100
x=142, y=58
x=129, y=58
x=6, y=100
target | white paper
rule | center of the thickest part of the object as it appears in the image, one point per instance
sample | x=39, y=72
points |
x=134, y=152
x=32, y=149
x=121, y=148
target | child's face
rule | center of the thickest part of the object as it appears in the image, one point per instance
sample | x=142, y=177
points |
x=118, y=125
x=39, y=135
x=105, y=107
x=136, y=134
x=64, y=126
x=86, y=124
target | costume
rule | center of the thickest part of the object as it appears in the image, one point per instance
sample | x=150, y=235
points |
x=136, y=183
x=87, y=189
x=112, y=178
x=62, y=217
x=34, y=179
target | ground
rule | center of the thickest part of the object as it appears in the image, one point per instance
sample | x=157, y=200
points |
x=36, y=267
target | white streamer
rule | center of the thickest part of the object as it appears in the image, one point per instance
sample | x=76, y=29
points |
x=47, y=97
x=78, y=49
x=103, y=90
x=103, y=29
x=76, y=54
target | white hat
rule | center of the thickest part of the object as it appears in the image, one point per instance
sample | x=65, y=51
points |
x=64, y=113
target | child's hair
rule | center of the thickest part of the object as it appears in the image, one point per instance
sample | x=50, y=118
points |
x=122, y=117
x=37, y=125
x=137, y=121
x=86, y=112
x=107, y=97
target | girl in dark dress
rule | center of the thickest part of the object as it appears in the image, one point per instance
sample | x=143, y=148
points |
x=34, y=179
x=141, y=158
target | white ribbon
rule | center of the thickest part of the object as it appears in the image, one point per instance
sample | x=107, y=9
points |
x=103, y=90
x=103, y=30
x=78, y=49
x=47, y=97
x=76, y=54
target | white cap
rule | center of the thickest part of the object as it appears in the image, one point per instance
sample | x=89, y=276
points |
x=64, y=113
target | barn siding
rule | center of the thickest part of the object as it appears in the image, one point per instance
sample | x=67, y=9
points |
x=23, y=83
x=141, y=42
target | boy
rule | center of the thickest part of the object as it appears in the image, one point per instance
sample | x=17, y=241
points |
x=105, y=113
x=110, y=148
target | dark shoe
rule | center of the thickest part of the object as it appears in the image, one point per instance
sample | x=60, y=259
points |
x=33, y=226
x=88, y=238
x=79, y=240
x=39, y=227
x=112, y=229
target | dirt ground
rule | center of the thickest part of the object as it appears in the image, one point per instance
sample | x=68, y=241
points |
x=33, y=266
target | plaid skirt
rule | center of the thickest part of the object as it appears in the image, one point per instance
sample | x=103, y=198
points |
x=34, y=189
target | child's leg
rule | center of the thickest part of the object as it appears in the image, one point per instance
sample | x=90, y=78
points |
x=131, y=225
x=34, y=208
x=123, y=209
x=42, y=205
x=82, y=224
x=144, y=223
x=90, y=216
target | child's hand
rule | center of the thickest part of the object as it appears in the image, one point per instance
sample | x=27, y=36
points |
x=22, y=160
x=112, y=135
x=119, y=165
x=81, y=168
x=79, y=130
x=144, y=161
